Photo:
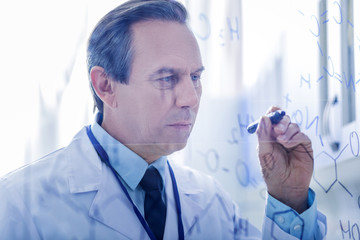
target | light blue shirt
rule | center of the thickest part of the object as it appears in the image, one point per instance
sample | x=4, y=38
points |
x=131, y=168
x=299, y=225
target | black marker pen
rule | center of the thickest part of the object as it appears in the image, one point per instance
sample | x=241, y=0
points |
x=275, y=117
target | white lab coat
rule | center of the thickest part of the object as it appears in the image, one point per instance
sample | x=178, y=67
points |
x=71, y=194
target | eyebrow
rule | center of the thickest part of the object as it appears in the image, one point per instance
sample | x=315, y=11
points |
x=201, y=69
x=172, y=71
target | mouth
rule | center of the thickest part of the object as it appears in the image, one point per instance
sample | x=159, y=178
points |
x=181, y=125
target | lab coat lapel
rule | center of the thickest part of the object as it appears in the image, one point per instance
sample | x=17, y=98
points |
x=110, y=205
x=191, y=209
x=112, y=208
x=191, y=200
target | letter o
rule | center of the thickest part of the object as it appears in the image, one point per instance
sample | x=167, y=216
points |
x=354, y=144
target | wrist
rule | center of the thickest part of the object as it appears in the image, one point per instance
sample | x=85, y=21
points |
x=297, y=200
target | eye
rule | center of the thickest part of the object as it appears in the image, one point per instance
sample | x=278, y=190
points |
x=196, y=79
x=166, y=82
x=167, y=79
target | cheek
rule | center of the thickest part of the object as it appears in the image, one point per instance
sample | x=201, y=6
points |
x=155, y=109
x=160, y=102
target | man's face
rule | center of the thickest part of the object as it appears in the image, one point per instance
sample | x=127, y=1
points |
x=157, y=109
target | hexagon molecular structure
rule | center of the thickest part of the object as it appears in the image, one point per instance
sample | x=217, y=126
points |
x=325, y=179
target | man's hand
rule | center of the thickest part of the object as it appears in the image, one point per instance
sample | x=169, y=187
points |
x=286, y=159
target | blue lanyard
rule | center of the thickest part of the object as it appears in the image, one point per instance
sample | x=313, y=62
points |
x=105, y=158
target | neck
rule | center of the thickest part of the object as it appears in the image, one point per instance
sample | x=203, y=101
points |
x=145, y=151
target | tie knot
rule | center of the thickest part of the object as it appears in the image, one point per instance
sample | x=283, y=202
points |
x=151, y=180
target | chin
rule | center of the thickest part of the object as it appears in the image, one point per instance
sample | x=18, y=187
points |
x=174, y=147
x=180, y=146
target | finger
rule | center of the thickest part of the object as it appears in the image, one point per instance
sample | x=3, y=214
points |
x=282, y=126
x=284, y=133
x=293, y=137
x=272, y=109
x=300, y=144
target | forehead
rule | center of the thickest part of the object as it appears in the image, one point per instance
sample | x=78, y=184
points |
x=160, y=42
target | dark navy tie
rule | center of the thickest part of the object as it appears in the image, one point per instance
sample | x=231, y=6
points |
x=154, y=206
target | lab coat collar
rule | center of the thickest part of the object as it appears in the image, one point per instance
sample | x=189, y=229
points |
x=84, y=165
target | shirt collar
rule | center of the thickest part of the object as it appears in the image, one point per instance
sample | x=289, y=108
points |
x=130, y=166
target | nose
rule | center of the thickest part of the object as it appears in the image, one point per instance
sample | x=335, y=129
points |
x=187, y=95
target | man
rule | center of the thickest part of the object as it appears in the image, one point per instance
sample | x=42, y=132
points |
x=145, y=69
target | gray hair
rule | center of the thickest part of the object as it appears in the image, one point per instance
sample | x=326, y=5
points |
x=110, y=44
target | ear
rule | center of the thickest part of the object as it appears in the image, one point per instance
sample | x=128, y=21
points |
x=103, y=85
